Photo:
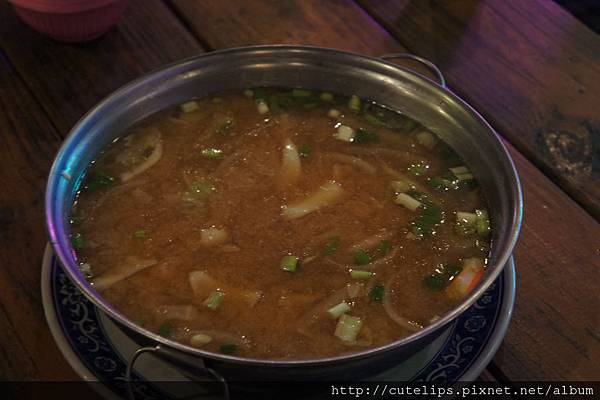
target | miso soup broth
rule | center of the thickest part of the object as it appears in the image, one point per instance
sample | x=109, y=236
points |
x=281, y=224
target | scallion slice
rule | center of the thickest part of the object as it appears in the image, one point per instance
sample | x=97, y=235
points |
x=77, y=241
x=407, y=201
x=483, y=222
x=165, y=330
x=212, y=153
x=304, y=151
x=345, y=133
x=384, y=247
x=228, y=348
x=466, y=223
x=331, y=246
x=326, y=96
x=140, y=234
x=339, y=309
x=362, y=275
x=348, y=327
x=418, y=169
x=301, y=93
x=376, y=294
x=364, y=135
x=289, y=263
x=214, y=299
x=354, y=104
x=361, y=257
x=189, y=106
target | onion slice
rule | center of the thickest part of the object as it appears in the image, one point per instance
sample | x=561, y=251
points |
x=121, y=272
x=328, y=194
x=291, y=167
x=397, y=318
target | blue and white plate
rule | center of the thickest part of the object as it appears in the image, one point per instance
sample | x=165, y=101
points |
x=98, y=350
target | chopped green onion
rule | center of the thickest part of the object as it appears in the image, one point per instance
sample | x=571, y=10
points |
x=442, y=276
x=451, y=270
x=466, y=223
x=483, y=222
x=261, y=106
x=345, y=133
x=333, y=113
x=370, y=118
x=332, y=244
x=361, y=257
x=460, y=170
x=86, y=270
x=140, y=234
x=407, y=201
x=200, y=339
x=325, y=96
x=75, y=220
x=228, y=348
x=214, y=299
x=430, y=216
x=77, y=241
x=304, y=151
x=409, y=125
x=225, y=126
x=434, y=282
x=442, y=183
x=365, y=136
x=361, y=275
x=462, y=173
x=274, y=103
x=348, y=327
x=301, y=93
x=401, y=186
x=311, y=104
x=376, y=294
x=354, y=104
x=99, y=180
x=384, y=247
x=212, y=153
x=337, y=310
x=165, y=330
x=249, y=93
x=289, y=263
x=259, y=93
x=418, y=169
x=189, y=106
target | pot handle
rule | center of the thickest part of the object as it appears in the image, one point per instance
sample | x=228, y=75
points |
x=177, y=357
x=431, y=66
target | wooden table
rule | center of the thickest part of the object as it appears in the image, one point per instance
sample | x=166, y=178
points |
x=528, y=66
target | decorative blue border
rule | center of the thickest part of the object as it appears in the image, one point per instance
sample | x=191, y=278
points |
x=80, y=323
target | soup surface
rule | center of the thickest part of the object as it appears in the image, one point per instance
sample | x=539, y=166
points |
x=281, y=224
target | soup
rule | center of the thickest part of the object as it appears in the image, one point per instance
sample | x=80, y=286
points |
x=281, y=224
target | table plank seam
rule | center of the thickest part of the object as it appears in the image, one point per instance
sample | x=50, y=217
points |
x=186, y=24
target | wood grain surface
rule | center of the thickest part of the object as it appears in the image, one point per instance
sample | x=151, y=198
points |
x=530, y=67
x=46, y=86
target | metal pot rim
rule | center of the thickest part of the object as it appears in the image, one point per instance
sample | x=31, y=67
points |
x=61, y=250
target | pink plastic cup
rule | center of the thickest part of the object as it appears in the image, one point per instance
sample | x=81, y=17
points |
x=70, y=20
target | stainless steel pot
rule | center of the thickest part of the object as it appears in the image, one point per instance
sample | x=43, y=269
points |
x=431, y=104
